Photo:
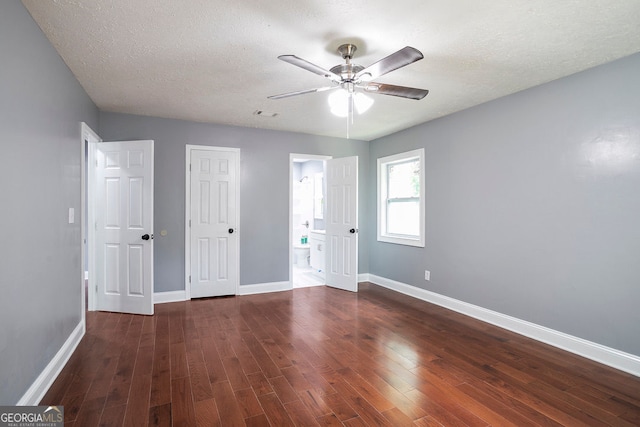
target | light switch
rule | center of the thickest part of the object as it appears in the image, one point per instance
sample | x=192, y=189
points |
x=72, y=215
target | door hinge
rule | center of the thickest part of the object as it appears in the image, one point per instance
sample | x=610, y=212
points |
x=189, y=279
x=189, y=167
x=189, y=223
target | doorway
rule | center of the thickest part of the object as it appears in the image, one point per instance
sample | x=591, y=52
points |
x=88, y=138
x=307, y=220
x=117, y=224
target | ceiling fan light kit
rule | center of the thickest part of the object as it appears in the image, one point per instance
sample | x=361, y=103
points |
x=339, y=103
x=351, y=80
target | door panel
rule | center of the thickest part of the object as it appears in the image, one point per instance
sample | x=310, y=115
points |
x=342, y=224
x=213, y=214
x=124, y=213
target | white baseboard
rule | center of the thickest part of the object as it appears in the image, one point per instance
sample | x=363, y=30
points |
x=263, y=288
x=171, y=296
x=259, y=288
x=41, y=385
x=363, y=277
x=608, y=356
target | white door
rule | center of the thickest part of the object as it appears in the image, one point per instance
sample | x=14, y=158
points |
x=342, y=223
x=123, y=244
x=213, y=216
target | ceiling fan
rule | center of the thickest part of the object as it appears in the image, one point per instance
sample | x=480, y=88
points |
x=351, y=77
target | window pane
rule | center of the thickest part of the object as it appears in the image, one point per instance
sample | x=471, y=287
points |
x=403, y=218
x=403, y=179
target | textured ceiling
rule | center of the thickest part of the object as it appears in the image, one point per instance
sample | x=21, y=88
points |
x=216, y=61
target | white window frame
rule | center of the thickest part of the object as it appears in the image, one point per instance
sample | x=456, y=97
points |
x=399, y=239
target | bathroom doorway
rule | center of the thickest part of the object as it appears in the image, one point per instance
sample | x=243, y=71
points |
x=306, y=224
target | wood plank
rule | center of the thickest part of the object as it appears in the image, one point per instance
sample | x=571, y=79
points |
x=235, y=374
x=213, y=362
x=200, y=385
x=248, y=403
x=258, y=421
x=365, y=410
x=159, y=416
x=275, y=412
x=113, y=416
x=228, y=406
x=260, y=384
x=299, y=414
x=179, y=366
x=283, y=389
x=161, y=378
x=316, y=403
x=182, y=409
x=207, y=413
x=90, y=412
x=137, y=413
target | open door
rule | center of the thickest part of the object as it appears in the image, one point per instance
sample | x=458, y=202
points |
x=121, y=256
x=342, y=223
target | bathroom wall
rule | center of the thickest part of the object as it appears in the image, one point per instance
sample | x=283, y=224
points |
x=302, y=204
x=310, y=169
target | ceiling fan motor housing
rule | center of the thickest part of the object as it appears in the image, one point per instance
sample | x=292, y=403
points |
x=347, y=71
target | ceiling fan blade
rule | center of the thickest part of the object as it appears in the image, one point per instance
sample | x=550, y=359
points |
x=399, y=59
x=301, y=92
x=393, y=90
x=299, y=62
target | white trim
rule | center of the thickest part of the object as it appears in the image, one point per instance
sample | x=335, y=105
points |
x=292, y=157
x=263, y=288
x=626, y=362
x=41, y=385
x=170, y=296
x=187, y=213
x=382, y=234
x=86, y=134
x=364, y=277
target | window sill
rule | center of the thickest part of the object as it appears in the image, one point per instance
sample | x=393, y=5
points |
x=406, y=241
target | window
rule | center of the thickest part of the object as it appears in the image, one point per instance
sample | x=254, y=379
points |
x=401, y=198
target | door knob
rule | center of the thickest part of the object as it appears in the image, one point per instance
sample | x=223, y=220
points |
x=231, y=230
x=352, y=231
x=145, y=237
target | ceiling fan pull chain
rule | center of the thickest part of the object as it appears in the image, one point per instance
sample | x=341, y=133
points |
x=347, y=126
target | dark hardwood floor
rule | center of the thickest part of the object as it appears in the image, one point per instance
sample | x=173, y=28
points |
x=320, y=356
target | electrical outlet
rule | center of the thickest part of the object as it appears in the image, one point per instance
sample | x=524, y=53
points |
x=427, y=275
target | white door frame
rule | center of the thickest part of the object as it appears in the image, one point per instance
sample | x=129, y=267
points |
x=88, y=139
x=292, y=157
x=187, y=214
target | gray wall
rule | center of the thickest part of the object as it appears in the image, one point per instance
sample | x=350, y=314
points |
x=41, y=105
x=533, y=206
x=264, y=190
